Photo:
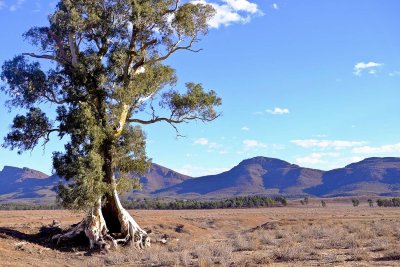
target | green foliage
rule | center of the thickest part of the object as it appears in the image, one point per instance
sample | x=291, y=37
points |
x=27, y=130
x=108, y=69
x=370, y=202
x=196, y=102
x=323, y=203
x=281, y=199
x=177, y=204
x=355, y=202
x=386, y=202
x=230, y=203
x=16, y=206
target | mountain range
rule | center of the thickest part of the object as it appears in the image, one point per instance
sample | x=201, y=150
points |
x=259, y=175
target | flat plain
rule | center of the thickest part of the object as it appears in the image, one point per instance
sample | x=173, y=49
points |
x=296, y=235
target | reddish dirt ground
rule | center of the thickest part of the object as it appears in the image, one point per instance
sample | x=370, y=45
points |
x=306, y=228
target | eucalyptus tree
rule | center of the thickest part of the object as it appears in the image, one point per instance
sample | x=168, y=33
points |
x=105, y=78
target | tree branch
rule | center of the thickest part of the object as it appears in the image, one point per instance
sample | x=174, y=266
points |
x=174, y=49
x=169, y=120
x=73, y=48
x=50, y=57
x=47, y=138
x=173, y=9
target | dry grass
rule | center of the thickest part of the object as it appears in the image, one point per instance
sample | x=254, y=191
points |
x=298, y=236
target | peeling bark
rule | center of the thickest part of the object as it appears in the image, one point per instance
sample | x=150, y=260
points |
x=95, y=227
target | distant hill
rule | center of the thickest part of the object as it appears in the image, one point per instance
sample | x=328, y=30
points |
x=25, y=183
x=371, y=176
x=159, y=177
x=259, y=175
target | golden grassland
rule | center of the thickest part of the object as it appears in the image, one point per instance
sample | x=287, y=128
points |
x=310, y=235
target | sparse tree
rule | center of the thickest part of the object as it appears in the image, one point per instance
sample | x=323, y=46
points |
x=355, y=202
x=104, y=82
x=323, y=203
x=370, y=202
x=306, y=200
x=302, y=202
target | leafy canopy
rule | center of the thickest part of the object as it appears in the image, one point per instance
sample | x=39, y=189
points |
x=107, y=68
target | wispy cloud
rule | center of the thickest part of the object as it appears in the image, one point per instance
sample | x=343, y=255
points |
x=278, y=111
x=275, y=6
x=232, y=11
x=2, y=5
x=315, y=158
x=201, y=141
x=394, y=73
x=211, y=146
x=17, y=4
x=245, y=128
x=327, y=144
x=253, y=144
x=242, y=5
x=196, y=171
x=360, y=67
x=391, y=148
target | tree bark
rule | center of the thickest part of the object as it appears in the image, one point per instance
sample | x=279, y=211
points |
x=121, y=223
x=108, y=220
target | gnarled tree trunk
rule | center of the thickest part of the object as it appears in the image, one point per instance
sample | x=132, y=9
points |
x=111, y=222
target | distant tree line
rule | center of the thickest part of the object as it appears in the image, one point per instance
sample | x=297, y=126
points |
x=178, y=204
x=15, y=206
x=387, y=202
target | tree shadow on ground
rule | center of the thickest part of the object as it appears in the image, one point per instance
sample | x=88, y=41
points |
x=44, y=238
x=389, y=258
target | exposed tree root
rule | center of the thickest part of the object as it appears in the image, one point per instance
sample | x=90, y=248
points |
x=129, y=227
x=95, y=228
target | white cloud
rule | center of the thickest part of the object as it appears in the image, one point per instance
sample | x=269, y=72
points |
x=356, y=159
x=2, y=4
x=253, y=144
x=394, y=73
x=315, y=158
x=275, y=6
x=327, y=144
x=197, y=171
x=391, y=148
x=370, y=66
x=278, y=111
x=201, y=141
x=17, y=4
x=211, y=146
x=245, y=128
x=242, y=5
x=214, y=145
x=233, y=11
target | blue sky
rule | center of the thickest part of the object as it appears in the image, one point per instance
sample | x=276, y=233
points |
x=315, y=83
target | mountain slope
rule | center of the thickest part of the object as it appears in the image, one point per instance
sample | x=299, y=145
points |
x=371, y=176
x=259, y=175
x=25, y=183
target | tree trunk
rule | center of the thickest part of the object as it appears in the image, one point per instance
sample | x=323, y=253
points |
x=94, y=226
x=110, y=222
x=121, y=223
